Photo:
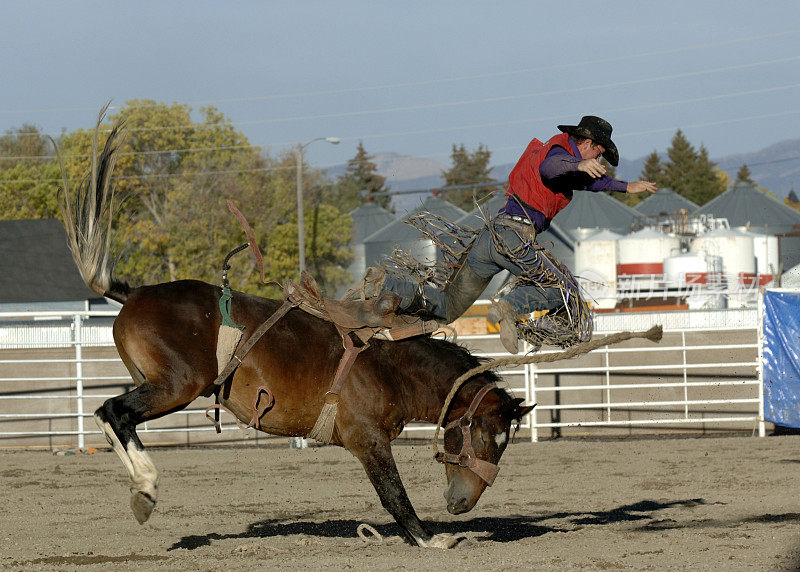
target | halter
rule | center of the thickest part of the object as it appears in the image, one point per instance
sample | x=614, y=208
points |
x=466, y=457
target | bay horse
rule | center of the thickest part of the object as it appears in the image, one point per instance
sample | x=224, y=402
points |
x=166, y=335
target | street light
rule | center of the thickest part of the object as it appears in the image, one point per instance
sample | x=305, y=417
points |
x=300, y=442
x=301, y=238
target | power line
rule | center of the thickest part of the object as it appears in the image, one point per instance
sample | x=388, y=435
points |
x=499, y=99
x=446, y=80
x=621, y=135
x=129, y=153
x=473, y=101
x=561, y=117
x=795, y=158
x=493, y=124
x=482, y=125
x=713, y=123
x=162, y=176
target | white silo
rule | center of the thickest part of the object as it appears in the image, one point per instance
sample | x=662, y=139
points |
x=596, y=268
x=736, y=252
x=582, y=233
x=642, y=253
x=736, y=249
x=689, y=274
x=768, y=256
x=684, y=270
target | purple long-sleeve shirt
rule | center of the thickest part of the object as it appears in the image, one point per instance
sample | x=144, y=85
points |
x=559, y=172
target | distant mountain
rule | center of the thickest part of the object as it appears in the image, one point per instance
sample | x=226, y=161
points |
x=401, y=171
x=775, y=168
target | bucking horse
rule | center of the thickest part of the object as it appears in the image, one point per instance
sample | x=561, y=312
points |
x=166, y=335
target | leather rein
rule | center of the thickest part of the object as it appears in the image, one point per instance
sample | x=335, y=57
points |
x=466, y=457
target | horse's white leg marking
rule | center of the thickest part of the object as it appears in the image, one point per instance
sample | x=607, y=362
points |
x=145, y=477
x=441, y=540
x=145, y=484
x=141, y=470
x=115, y=443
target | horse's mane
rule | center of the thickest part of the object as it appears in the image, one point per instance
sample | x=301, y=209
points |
x=456, y=350
x=457, y=357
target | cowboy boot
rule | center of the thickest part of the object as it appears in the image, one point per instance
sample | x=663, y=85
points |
x=369, y=286
x=462, y=290
x=374, y=277
x=503, y=314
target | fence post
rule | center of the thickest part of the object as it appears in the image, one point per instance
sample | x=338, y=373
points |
x=685, y=377
x=78, y=341
x=608, y=384
x=527, y=381
x=760, y=331
x=532, y=393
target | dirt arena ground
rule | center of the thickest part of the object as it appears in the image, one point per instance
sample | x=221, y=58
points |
x=703, y=503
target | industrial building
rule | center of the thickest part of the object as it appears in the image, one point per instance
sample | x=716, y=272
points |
x=667, y=253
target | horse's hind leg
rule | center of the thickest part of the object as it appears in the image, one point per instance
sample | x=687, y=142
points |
x=118, y=417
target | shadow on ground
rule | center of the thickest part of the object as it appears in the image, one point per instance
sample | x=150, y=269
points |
x=495, y=529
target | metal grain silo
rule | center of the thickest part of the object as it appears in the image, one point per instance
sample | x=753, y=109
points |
x=735, y=249
x=642, y=253
x=596, y=267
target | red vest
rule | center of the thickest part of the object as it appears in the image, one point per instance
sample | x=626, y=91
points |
x=526, y=182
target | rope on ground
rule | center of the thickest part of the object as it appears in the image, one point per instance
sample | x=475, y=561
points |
x=653, y=334
x=376, y=536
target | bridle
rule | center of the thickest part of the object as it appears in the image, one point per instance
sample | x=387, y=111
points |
x=466, y=457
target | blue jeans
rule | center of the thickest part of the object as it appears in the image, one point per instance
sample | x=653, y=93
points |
x=500, y=245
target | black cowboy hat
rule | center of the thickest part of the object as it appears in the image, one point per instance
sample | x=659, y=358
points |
x=599, y=131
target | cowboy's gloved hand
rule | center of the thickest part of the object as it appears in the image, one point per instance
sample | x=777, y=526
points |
x=592, y=167
x=641, y=187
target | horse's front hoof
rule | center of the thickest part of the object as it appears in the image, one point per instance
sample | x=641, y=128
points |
x=142, y=506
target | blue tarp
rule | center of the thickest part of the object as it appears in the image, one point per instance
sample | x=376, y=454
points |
x=781, y=349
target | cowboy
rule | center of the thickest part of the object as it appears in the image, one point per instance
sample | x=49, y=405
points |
x=540, y=185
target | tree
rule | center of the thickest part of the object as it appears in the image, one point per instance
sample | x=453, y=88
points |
x=744, y=175
x=653, y=169
x=691, y=173
x=176, y=173
x=710, y=181
x=361, y=175
x=792, y=201
x=469, y=168
x=28, y=174
x=27, y=143
x=611, y=170
x=161, y=160
x=679, y=169
x=630, y=200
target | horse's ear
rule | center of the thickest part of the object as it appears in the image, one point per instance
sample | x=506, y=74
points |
x=520, y=412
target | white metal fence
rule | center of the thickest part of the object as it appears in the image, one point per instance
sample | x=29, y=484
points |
x=690, y=410
x=57, y=367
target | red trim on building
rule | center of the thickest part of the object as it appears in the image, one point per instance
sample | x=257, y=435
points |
x=697, y=277
x=749, y=279
x=640, y=268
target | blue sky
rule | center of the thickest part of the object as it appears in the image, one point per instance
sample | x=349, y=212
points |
x=415, y=77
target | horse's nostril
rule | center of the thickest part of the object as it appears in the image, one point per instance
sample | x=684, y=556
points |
x=458, y=507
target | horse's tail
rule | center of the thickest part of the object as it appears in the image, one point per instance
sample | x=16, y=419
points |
x=87, y=216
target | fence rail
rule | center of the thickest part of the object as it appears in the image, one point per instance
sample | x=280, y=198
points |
x=697, y=359
x=713, y=354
